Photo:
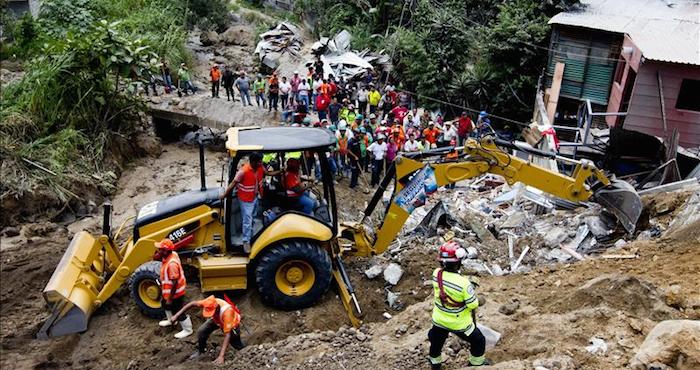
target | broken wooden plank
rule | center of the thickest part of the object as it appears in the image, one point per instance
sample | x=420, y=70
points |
x=554, y=91
x=670, y=187
x=572, y=252
x=520, y=259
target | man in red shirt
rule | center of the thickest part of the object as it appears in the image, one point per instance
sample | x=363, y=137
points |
x=296, y=190
x=218, y=314
x=464, y=127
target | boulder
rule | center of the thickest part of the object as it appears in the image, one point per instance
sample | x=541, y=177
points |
x=673, y=343
x=237, y=35
x=554, y=237
x=208, y=38
x=374, y=271
x=393, y=273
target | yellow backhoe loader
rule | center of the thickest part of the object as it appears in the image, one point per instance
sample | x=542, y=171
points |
x=293, y=256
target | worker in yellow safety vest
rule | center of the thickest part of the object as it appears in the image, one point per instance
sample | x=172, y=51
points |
x=454, y=308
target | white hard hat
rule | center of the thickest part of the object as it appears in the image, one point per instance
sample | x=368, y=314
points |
x=296, y=72
x=342, y=125
x=381, y=137
x=372, y=116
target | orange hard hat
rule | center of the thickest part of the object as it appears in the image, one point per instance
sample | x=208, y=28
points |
x=209, y=305
x=166, y=244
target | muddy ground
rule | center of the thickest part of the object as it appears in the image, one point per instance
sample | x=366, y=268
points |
x=549, y=316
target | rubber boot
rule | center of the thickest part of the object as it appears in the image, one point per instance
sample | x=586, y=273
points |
x=186, y=331
x=236, y=341
x=165, y=323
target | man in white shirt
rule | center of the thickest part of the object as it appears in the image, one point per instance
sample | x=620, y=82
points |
x=285, y=88
x=303, y=92
x=412, y=145
x=449, y=133
x=362, y=98
x=378, y=150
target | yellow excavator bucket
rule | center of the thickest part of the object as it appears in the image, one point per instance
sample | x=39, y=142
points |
x=73, y=287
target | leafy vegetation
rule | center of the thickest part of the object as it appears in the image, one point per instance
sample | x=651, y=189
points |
x=482, y=54
x=72, y=108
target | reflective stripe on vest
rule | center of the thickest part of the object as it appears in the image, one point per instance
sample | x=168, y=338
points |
x=167, y=283
x=251, y=184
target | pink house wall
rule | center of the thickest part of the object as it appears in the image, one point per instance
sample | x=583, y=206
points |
x=644, y=111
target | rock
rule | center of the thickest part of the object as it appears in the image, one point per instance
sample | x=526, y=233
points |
x=182, y=105
x=361, y=336
x=675, y=343
x=393, y=273
x=175, y=101
x=492, y=336
x=208, y=38
x=386, y=315
x=509, y=308
x=472, y=252
x=234, y=17
x=558, y=255
x=557, y=362
x=374, y=271
x=156, y=99
x=237, y=35
x=514, y=221
x=597, y=226
x=597, y=346
x=620, y=243
x=555, y=236
x=497, y=270
x=10, y=231
x=473, y=266
x=391, y=298
x=402, y=329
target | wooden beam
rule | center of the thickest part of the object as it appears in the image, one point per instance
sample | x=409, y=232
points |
x=554, y=91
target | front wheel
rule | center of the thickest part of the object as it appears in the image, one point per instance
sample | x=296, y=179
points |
x=145, y=289
x=293, y=274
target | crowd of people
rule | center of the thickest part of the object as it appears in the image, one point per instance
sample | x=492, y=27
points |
x=372, y=122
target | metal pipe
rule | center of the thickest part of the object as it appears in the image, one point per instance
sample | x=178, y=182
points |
x=201, y=166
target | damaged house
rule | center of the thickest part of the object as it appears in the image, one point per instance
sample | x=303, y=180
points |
x=637, y=60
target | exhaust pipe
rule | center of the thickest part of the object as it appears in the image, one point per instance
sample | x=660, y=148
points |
x=201, y=166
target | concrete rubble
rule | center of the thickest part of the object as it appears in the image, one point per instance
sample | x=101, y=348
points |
x=284, y=38
x=511, y=229
x=340, y=61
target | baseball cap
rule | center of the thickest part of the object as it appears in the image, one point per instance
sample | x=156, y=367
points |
x=208, y=306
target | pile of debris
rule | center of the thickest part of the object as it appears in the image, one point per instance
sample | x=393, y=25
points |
x=511, y=229
x=340, y=61
x=284, y=38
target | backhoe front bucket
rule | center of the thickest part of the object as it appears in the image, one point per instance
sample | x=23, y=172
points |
x=622, y=200
x=73, y=287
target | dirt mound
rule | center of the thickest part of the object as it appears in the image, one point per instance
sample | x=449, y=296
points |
x=615, y=291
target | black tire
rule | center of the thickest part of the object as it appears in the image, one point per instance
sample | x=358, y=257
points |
x=147, y=273
x=292, y=250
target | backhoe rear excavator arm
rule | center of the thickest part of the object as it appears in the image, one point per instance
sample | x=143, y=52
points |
x=475, y=159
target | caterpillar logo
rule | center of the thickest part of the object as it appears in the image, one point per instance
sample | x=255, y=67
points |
x=181, y=232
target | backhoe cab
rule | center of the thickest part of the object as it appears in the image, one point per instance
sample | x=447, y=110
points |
x=291, y=251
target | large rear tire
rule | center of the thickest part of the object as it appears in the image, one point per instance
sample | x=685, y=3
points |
x=145, y=289
x=293, y=274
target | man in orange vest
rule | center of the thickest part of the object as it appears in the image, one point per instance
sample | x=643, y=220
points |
x=215, y=75
x=221, y=314
x=172, y=286
x=248, y=183
x=296, y=190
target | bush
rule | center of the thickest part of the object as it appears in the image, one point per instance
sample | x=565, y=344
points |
x=212, y=14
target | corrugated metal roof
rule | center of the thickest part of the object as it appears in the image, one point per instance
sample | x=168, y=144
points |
x=664, y=30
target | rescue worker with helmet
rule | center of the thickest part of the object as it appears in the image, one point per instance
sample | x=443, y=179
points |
x=454, y=308
x=172, y=286
x=218, y=314
x=248, y=183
